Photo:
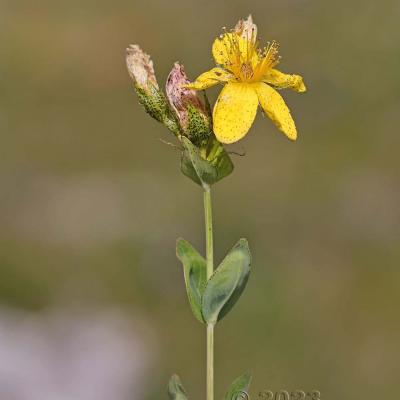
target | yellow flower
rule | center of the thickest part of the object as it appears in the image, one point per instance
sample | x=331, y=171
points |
x=250, y=79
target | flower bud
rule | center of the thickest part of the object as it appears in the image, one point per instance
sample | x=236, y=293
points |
x=191, y=111
x=141, y=70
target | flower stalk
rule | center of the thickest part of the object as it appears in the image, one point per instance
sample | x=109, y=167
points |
x=210, y=362
x=210, y=270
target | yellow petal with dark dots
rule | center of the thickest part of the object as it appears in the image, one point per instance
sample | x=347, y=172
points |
x=234, y=111
x=282, y=81
x=276, y=109
x=210, y=78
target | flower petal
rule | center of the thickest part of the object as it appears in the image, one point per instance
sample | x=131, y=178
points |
x=276, y=109
x=210, y=78
x=234, y=111
x=222, y=48
x=232, y=49
x=282, y=81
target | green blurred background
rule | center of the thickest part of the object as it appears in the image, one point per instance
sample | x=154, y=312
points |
x=92, y=202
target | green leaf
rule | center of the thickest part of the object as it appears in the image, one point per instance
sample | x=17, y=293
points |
x=219, y=159
x=196, y=167
x=227, y=283
x=188, y=169
x=209, y=170
x=195, y=272
x=175, y=389
x=239, y=388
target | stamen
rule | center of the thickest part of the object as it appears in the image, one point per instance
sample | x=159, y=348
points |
x=240, y=57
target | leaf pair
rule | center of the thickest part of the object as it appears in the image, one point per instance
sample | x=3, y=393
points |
x=211, y=300
x=215, y=165
x=237, y=391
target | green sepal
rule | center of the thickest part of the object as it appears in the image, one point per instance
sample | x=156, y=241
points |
x=156, y=105
x=175, y=389
x=239, y=388
x=207, y=165
x=227, y=283
x=153, y=101
x=195, y=273
x=199, y=126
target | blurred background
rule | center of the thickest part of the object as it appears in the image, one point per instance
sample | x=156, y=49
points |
x=92, y=300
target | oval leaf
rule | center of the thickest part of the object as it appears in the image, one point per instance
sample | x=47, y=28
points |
x=192, y=161
x=194, y=269
x=205, y=171
x=175, y=389
x=227, y=283
x=239, y=388
x=219, y=159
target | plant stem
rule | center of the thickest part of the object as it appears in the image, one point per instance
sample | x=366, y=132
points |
x=210, y=270
x=210, y=362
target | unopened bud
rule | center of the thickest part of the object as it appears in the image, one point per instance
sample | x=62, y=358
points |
x=191, y=111
x=141, y=70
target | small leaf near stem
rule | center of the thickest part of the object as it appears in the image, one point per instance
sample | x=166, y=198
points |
x=207, y=165
x=227, y=283
x=195, y=271
x=175, y=389
x=239, y=388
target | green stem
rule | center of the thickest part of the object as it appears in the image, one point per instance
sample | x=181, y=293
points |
x=210, y=270
x=210, y=362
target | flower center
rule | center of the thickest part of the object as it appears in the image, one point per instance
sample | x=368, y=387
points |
x=246, y=71
x=247, y=62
